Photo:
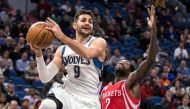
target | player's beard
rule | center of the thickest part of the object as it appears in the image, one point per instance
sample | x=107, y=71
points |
x=121, y=71
x=85, y=34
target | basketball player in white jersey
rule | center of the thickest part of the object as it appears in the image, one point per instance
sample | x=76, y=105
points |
x=82, y=58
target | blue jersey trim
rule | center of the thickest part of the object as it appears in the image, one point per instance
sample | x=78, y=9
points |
x=63, y=50
x=98, y=64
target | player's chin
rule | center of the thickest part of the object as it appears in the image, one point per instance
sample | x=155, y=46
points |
x=86, y=33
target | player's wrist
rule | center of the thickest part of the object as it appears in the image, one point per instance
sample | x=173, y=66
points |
x=63, y=38
x=38, y=54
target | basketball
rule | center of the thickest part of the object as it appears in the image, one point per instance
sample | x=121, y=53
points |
x=38, y=36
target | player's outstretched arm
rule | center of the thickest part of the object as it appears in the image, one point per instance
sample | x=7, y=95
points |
x=139, y=74
x=97, y=47
x=46, y=73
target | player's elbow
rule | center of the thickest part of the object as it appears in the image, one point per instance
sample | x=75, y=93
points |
x=44, y=79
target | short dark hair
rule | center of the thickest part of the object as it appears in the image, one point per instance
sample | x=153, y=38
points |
x=122, y=71
x=83, y=11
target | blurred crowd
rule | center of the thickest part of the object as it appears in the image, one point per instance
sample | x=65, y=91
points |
x=123, y=24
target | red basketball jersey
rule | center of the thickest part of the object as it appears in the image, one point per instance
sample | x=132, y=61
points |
x=117, y=96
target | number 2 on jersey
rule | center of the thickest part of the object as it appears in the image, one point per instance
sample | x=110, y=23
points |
x=107, y=102
x=77, y=71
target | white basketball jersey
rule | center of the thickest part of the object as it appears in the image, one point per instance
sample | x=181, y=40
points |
x=83, y=75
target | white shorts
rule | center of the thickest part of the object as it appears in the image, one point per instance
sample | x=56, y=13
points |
x=71, y=100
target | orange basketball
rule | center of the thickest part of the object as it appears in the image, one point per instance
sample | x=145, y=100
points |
x=38, y=36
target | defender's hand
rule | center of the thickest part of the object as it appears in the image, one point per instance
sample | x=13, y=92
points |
x=152, y=18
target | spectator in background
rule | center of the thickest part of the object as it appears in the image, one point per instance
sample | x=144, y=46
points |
x=3, y=37
x=71, y=11
x=13, y=104
x=184, y=70
x=181, y=78
x=161, y=33
x=185, y=37
x=177, y=97
x=3, y=88
x=65, y=22
x=165, y=18
x=79, y=5
x=32, y=96
x=146, y=94
x=170, y=34
x=158, y=90
x=15, y=54
x=130, y=6
x=6, y=64
x=97, y=16
x=177, y=86
x=10, y=44
x=169, y=74
x=112, y=32
x=3, y=15
x=179, y=19
x=171, y=68
x=154, y=72
x=115, y=58
x=99, y=31
x=22, y=64
x=31, y=73
x=18, y=16
x=22, y=44
x=146, y=90
x=66, y=7
x=187, y=90
x=25, y=104
x=165, y=82
x=180, y=52
x=107, y=17
x=3, y=102
x=185, y=102
x=167, y=102
x=137, y=62
x=49, y=56
x=11, y=94
x=43, y=5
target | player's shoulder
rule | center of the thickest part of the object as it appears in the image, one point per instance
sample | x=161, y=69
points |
x=116, y=85
x=99, y=40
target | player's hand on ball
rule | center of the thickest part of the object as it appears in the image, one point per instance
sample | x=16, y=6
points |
x=54, y=27
x=37, y=51
x=152, y=18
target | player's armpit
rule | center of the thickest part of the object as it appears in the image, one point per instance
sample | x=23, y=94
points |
x=57, y=60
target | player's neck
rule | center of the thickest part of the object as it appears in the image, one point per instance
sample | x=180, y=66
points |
x=117, y=78
x=81, y=38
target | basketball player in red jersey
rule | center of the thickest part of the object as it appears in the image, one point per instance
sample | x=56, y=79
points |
x=125, y=94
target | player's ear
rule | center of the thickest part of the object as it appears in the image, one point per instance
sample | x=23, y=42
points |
x=74, y=25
